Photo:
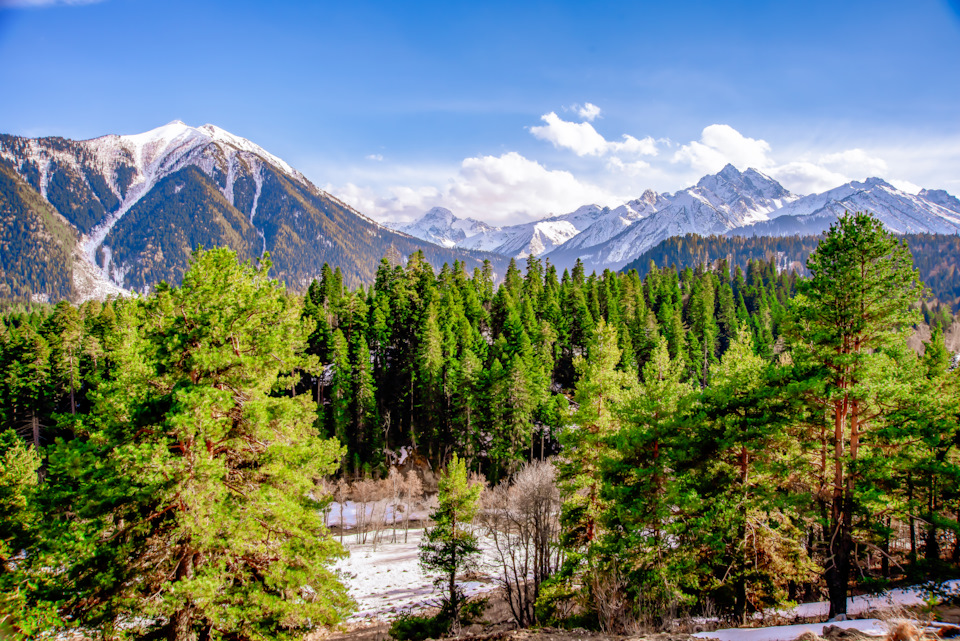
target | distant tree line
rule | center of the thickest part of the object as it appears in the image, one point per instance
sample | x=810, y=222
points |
x=936, y=256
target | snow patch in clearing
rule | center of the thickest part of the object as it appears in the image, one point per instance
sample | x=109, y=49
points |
x=386, y=579
x=873, y=627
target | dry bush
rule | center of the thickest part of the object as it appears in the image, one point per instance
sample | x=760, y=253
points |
x=341, y=490
x=521, y=518
x=365, y=491
x=411, y=495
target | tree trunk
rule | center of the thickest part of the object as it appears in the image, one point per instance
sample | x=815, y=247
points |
x=885, y=547
x=956, y=543
x=454, y=606
x=740, y=604
x=913, y=523
x=931, y=548
x=73, y=402
x=181, y=623
x=838, y=545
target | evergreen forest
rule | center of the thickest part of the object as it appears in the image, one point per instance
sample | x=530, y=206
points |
x=726, y=437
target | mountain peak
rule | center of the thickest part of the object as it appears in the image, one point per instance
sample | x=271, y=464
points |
x=874, y=181
x=729, y=171
x=942, y=198
x=439, y=213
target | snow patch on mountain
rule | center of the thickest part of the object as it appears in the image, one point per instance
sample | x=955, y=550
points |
x=257, y=172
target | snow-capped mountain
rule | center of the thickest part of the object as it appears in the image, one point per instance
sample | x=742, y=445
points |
x=137, y=205
x=930, y=211
x=718, y=203
x=537, y=237
x=441, y=227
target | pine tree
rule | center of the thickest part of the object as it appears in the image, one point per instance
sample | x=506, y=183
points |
x=740, y=505
x=450, y=547
x=641, y=493
x=185, y=502
x=857, y=301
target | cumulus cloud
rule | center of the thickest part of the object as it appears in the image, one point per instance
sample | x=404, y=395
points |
x=855, y=162
x=502, y=190
x=720, y=145
x=587, y=111
x=579, y=137
x=507, y=187
x=905, y=185
x=582, y=139
x=803, y=177
x=826, y=171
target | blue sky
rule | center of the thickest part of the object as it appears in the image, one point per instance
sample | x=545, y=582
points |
x=508, y=110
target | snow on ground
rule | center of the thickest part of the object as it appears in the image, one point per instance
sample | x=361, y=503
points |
x=873, y=627
x=386, y=579
x=893, y=599
x=900, y=597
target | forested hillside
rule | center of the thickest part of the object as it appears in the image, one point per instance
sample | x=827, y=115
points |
x=724, y=439
x=936, y=256
x=36, y=244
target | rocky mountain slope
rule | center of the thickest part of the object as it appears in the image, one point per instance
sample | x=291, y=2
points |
x=134, y=207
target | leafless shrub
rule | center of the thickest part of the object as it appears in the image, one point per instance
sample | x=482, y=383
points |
x=325, y=488
x=364, y=491
x=340, y=493
x=394, y=490
x=411, y=494
x=608, y=588
x=521, y=518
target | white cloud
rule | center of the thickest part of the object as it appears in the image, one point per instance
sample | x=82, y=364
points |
x=905, y=185
x=510, y=186
x=639, y=146
x=587, y=111
x=579, y=137
x=803, y=177
x=855, y=162
x=504, y=190
x=584, y=140
x=636, y=168
x=829, y=170
x=720, y=145
x=376, y=157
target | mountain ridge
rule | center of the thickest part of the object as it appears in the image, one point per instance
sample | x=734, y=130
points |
x=140, y=204
x=728, y=202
